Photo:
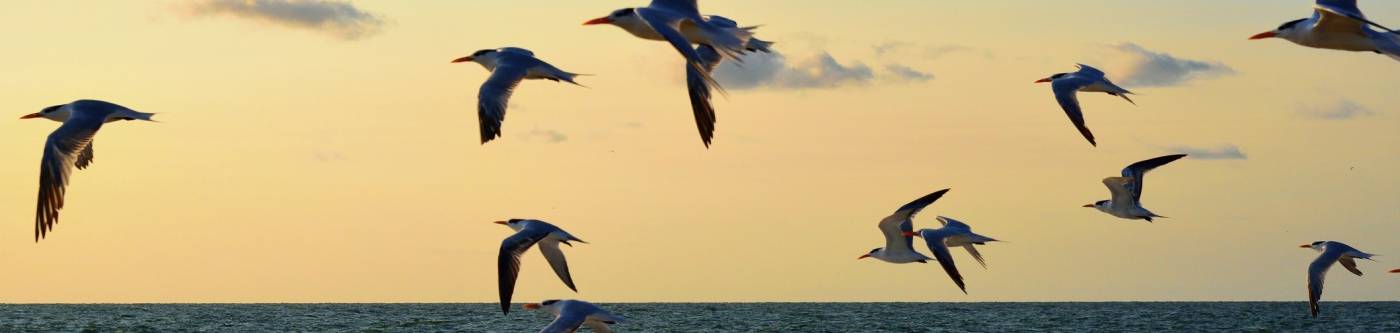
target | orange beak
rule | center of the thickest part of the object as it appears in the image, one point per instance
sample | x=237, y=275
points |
x=1043, y=80
x=500, y=222
x=1089, y=206
x=530, y=306
x=911, y=234
x=1397, y=270
x=1306, y=246
x=463, y=59
x=863, y=256
x=31, y=116
x=1264, y=35
x=600, y=20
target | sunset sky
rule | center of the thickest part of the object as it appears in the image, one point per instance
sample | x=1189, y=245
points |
x=331, y=153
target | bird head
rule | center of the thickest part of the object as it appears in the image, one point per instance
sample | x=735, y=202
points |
x=1314, y=245
x=1097, y=204
x=551, y=305
x=620, y=17
x=483, y=57
x=514, y=224
x=1285, y=30
x=1051, y=78
x=870, y=254
x=57, y=113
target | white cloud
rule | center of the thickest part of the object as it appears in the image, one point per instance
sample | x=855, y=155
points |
x=1146, y=68
x=1223, y=152
x=816, y=71
x=1341, y=110
x=340, y=19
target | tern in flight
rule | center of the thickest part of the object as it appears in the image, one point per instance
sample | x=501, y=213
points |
x=953, y=233
x=1088, y=79
x=569, y=315
x=508, y=66
x=1332, y=252
x=1127, y=190
x=527, y=234
x=898, y=230
x=69, y=146
x=679, y=22
x=1338, y=25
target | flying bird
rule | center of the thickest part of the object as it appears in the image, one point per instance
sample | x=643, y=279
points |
x=953, y=233
x=898, y=229
x=1332, y=252
x=569, y=315
x=1088, y=79
x=1338, y=25
x=527, y=234
x=1127, y=190
x=508, y=66
x=679, y=22
x=69, y=146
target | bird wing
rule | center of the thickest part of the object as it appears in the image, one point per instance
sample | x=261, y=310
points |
x=508, y=262
x=1337, y=22
x=1341, y=12
x=1317, y=272
x=894, y=226
x=1350, y=264
x=689, y=8
x=1137, y=171
x=699, y=89
x=494, y=96
x=966, y=239
x=598, y=326
x=1066, y=93
x=1387, y=43
x=1089, y=71
x=934, y=239
x=1118, y=186
x=62, y=151
x=550, y=248
x=566, y=322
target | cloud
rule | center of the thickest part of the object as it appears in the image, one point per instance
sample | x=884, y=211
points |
x=1341, y=110
x=1224, y=152
x=906, y=73
x=1147, y=68
x=340, y=19
x=550, y=136
x=930, y=52
x=816, y=71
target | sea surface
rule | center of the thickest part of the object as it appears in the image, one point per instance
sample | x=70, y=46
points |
x=714, y=317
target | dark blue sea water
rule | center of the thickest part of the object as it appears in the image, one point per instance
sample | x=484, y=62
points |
x=714, y=317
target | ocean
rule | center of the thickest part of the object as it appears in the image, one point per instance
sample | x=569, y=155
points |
x=714, y=317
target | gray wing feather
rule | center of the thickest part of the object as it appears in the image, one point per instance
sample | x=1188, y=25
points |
x=550, y=249
x=1317, y=273
x=494, y=97
x=1066, y=93
x=85, y=158
x=61, y=153
x=700, y=91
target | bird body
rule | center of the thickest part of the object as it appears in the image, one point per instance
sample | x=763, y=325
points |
x=508, y=66
x=527, y=234
x=1332, y=252
x=953, y=233
x=898, y=230
x=1126, y=202
x=71, y=145
x=1338, y=25
x=569, y=315
x=1067, y=86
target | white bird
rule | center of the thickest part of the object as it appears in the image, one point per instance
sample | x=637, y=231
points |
x=953, y=233
x=508, y=66
x=569, y=315
x=1332, y=252
x=527, y=234
x=1088, y=79
x=679, y=22
x=898, y=229
x=1127, y=190
x=1338, y=25
x=68, y=146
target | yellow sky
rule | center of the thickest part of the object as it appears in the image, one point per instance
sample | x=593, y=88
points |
x=292, y=165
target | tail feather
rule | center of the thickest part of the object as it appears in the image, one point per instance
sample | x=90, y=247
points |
x=730, y=42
